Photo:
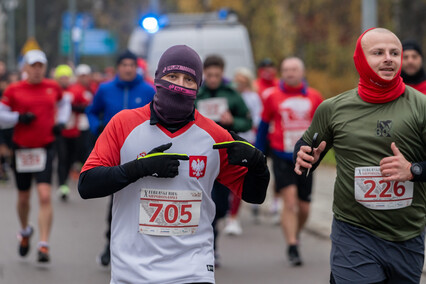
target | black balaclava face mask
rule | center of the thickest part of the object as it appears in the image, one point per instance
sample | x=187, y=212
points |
x=173, y=103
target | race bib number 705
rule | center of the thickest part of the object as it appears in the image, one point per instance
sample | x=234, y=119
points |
x=375, y=193
x=169, y=212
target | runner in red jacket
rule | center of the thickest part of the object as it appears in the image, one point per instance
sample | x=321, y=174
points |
x=38, y=110
x=289, y=109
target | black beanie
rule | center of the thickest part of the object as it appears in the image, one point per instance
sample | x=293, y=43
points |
x=413, y=45
x=126, y=55
x=182, y=59
x=266, y=62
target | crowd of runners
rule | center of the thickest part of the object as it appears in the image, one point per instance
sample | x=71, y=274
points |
x=178, y=150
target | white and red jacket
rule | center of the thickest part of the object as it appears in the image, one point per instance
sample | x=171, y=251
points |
x=141, y=258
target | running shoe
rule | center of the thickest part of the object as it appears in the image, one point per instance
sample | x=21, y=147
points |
x=24, y=241
x=105, y=257
x=255, y=213
x=64, y=192
x=233, y=227
x=43, y=254
x=293, y=256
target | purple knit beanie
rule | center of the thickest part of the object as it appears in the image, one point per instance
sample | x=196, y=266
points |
x=182, y=59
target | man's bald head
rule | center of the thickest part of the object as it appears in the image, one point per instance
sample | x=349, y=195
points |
x=383, y=51
x=377, y=34
x=292, y=71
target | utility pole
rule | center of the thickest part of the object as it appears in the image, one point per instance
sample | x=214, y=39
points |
x=10, y=6
x=72, y=10
x=30, y=19
x=3, y=19
x=369, y=14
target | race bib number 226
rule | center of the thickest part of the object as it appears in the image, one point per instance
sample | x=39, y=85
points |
x=375, y=193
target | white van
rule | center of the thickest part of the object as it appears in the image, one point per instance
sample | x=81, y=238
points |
x=205, y=33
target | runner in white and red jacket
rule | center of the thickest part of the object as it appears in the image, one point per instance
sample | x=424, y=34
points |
x=162, y=208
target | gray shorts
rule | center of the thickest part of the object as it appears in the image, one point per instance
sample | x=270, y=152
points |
x=357, y=256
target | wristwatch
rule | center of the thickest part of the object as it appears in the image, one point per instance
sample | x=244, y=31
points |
x=416, y=169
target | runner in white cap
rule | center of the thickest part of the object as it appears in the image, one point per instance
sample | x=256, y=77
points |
x=31, y=106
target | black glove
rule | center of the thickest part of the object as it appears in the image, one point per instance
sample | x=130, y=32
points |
x=242, y=153
x=155, y=163
x=26, y=118
x=78, y=108
x=57, y=129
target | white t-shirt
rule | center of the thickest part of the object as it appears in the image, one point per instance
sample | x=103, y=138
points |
x=142, y=258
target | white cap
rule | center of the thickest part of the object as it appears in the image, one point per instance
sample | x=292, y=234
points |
x=34, y=56
x=83, y=69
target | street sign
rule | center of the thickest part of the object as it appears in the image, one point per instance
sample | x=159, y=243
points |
x=83, y=38
x=97, y=42
x=64, y=42
x=92, y=42
x=82, y=20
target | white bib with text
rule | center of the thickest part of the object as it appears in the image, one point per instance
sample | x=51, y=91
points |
x=169, y=212
x=290, y=139
x=375, y=193
x=30, y=160
x=213, y=108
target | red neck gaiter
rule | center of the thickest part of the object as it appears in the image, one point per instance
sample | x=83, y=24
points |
x=372, y=88
x=291, y=90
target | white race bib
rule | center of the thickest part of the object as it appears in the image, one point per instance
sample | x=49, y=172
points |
x=83, y=122
x=375, y=193
x=71, y=121
x=169, y=212
x=290, y=139
x=213, y=108
x=30, y=160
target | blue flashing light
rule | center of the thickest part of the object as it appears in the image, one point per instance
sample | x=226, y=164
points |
x=163, y=21
x=150, y=24
x=223, y=13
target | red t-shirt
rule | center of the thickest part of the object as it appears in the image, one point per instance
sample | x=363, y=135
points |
x=421, y=87
x=40, y=99
x=289, y=115
x=80, y=96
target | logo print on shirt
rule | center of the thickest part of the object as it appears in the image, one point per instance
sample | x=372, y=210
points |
x=383, y=128
x=197, y=166
x=141, y=155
